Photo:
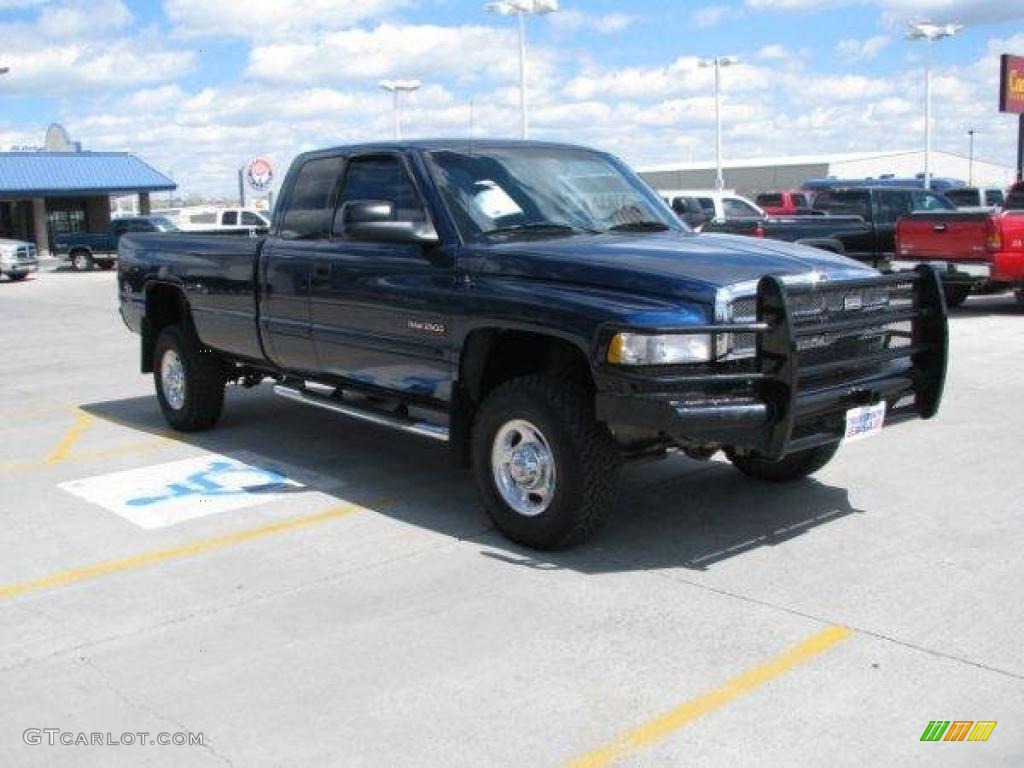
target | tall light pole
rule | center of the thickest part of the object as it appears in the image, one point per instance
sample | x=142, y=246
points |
x=718, y=62
x=396, y=87
x=970, y=161
x=929, y=32
x=523, y=8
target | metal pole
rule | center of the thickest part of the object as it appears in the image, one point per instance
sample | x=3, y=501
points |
x=522, y=73
x=1020, y=149
x=394, y=108
x=241, y=188
x=719, y=175
x=928, y=117
x=970, y=161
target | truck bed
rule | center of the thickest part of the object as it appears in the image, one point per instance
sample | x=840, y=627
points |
x=217, y=275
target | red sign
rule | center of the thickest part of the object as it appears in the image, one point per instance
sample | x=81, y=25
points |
x=1011, y=89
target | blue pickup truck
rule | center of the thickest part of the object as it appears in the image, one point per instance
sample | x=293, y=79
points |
x=541, y=311
x=86, y=249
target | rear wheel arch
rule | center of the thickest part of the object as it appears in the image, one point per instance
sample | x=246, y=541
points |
x=165, y=305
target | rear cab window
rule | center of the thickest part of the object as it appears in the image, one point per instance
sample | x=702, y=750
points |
x=313, y=197
x=845, y=203
x=769, y=200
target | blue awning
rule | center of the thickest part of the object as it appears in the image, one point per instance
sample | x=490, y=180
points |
x=51, y=174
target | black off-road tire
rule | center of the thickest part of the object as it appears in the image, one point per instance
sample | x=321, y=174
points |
x=203, y=376
x=81, y=260
x=586, y=459
x=796, y=466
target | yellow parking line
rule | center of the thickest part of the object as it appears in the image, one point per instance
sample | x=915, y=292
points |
x=70, y=439
x=143, y=559
x=127, y=449
x=686, y=713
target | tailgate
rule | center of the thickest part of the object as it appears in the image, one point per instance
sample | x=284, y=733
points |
x=952, y=236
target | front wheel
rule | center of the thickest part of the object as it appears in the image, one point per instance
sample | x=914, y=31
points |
x=189, y=381
x=81, y=261
x=545, y=468
x=795, y=466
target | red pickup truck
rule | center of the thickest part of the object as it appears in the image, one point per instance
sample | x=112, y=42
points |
x=983, y=251
x=785, y=203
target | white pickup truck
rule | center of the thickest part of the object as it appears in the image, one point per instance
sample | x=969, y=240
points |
x=218, y=219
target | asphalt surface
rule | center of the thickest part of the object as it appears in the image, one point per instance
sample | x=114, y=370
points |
x=371, y=617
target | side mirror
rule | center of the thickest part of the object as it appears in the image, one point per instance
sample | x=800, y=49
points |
x=374, y=220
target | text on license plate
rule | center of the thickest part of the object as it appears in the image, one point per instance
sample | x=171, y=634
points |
x=866, y=421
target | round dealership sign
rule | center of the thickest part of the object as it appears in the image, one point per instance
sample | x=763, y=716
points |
x=259, y=174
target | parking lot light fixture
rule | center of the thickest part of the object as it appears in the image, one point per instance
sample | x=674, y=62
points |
x=929, y=33
x=718, y=62
x=396, y=87
x=523, y=8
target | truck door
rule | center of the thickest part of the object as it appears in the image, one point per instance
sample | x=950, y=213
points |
x=381, y=312
x=287, y=263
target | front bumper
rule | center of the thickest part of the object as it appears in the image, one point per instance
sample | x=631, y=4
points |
x=784, y=401
x=19, y=267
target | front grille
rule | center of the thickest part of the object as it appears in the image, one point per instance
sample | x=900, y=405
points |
x=825, y=305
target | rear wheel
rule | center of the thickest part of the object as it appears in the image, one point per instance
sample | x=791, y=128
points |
x=545, y=468
x=81, y=261
x=189, y=381
x=795, y=466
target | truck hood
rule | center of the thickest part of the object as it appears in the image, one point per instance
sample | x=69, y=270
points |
x=680, y=265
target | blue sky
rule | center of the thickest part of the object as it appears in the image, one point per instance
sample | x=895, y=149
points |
x=197, y=86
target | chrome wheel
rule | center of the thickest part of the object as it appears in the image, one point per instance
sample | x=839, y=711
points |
x=172, y=379
x=81, y=261
x=523, y=465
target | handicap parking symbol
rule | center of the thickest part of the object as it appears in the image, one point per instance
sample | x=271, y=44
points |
x=166, y=494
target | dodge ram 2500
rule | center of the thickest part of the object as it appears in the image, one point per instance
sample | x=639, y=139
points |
x=539, y=309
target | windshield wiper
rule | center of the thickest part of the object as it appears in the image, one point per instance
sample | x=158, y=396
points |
x=540, y=228
x=640, y=226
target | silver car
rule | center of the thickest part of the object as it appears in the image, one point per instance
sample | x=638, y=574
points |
x=17, y=259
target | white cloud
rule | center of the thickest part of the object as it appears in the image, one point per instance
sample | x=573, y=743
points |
x=262, y=19
x=774, y=52
x=64, y=51
x=606, y=24
x=899, y=11
x=863, y=49
x=710, y=16
x=79, y=19
x=421, y=51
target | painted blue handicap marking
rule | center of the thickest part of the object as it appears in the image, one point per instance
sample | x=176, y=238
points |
x=204, y=483
x=165, y=494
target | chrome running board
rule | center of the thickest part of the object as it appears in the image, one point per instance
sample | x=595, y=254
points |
x=380, y=418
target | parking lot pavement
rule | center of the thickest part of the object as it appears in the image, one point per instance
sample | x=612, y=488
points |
x=352, y=606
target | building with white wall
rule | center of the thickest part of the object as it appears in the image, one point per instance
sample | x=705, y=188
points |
x=749, y=177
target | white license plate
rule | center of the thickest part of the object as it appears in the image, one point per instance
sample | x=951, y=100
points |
x=866, y=421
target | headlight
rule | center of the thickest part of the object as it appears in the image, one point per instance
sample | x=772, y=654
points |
x=666, y=349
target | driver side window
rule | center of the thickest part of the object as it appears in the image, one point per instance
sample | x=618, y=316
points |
x=380, y=178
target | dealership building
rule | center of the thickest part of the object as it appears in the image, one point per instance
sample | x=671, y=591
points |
x=749, y=177
x=59, y=189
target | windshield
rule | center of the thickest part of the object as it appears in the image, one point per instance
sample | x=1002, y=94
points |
x=545, y=191
x=160, y=224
